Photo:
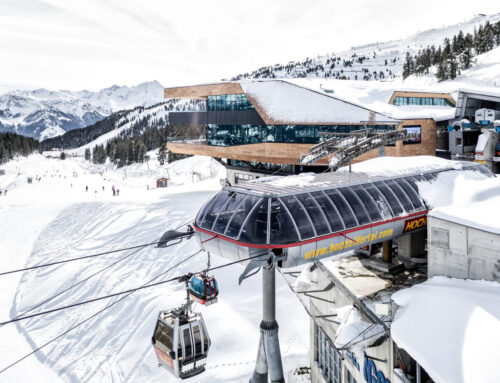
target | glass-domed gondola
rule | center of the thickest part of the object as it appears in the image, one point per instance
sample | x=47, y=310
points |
x=203, y=289
x=181, y=342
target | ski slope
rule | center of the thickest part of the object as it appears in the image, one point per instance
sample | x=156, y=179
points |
x=55, y=218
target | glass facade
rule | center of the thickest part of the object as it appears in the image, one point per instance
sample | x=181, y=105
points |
x=440, y=101
x=328, y=358
x=227, y=102
x=229, y=135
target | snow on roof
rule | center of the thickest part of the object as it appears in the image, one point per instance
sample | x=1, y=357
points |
x=285, y=102
x=452, y=328
x=371, y=171
x=360, y=280
x=475, y=204
x=392, y=166
x=375, y=95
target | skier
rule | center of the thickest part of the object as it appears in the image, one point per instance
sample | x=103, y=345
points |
x=114, y=192
x=103, y=188
x=87, y=188
x=117, y=192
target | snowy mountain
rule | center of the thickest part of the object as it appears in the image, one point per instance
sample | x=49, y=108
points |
x=124, y=123
x=44, y=114
x=376, y=61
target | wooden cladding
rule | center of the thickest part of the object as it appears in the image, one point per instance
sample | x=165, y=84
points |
x=276, y=153
x=201, y=92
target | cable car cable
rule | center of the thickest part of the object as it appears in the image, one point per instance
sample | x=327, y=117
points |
x=87, y=278
x=74, y=285
x=80, y=258
x=129, y=291
x=93, y=315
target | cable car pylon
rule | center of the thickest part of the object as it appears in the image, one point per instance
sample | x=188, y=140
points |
x=268, y=362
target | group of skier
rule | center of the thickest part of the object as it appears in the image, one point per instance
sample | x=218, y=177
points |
x=116, y=192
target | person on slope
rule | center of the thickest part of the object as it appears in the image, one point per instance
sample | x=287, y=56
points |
x=87, y=188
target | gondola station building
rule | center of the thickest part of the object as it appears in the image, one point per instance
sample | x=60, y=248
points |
x=352, y=247
x=261, y=127
x=367, y=253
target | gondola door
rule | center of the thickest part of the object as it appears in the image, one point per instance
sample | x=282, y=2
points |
x=194, y=345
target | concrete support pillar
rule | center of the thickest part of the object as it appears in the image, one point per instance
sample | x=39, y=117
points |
x=387, y=251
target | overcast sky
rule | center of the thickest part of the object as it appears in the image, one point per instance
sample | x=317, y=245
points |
x=92, y=44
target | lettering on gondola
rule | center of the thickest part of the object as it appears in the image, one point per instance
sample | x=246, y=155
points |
x=348, y=243
x=415, y=223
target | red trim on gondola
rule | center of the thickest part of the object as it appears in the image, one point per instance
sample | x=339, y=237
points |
x=309, y=240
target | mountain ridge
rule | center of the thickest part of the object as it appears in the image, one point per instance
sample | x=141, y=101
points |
x=42, y=113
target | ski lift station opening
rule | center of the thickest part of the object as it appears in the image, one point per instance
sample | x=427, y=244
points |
x=315, y=218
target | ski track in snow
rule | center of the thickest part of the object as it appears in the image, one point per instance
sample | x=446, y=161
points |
x=116, y=345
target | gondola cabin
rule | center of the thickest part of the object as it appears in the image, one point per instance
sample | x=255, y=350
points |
x=203, y=289
x=181, y=342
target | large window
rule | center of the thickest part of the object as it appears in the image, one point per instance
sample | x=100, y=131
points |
x=227, y=102
x=328, y=358
x=416, y=132
x=440, y=101
x=229, y=135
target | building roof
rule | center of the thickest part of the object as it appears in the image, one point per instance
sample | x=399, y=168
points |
x=476, y=204
x=282, y=102
x=451, y=327
x=359, y=279
x=326, y=101
x=377, y=96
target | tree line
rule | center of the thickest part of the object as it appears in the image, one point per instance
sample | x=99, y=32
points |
x=455, y=54
x=131, y=146
x=12, y=144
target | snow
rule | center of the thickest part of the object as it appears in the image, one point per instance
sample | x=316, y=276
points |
x=56, y=219
x=393, y=166
x=352, y=325
x=388, y=57
x=452, y=327
x=475, y=204
x=284, y=102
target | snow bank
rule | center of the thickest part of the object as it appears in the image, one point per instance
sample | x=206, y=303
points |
x=452, y=327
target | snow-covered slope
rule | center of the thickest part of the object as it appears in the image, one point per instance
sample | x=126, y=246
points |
x=43, y=114
x=116, y=345
x=367, y=61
